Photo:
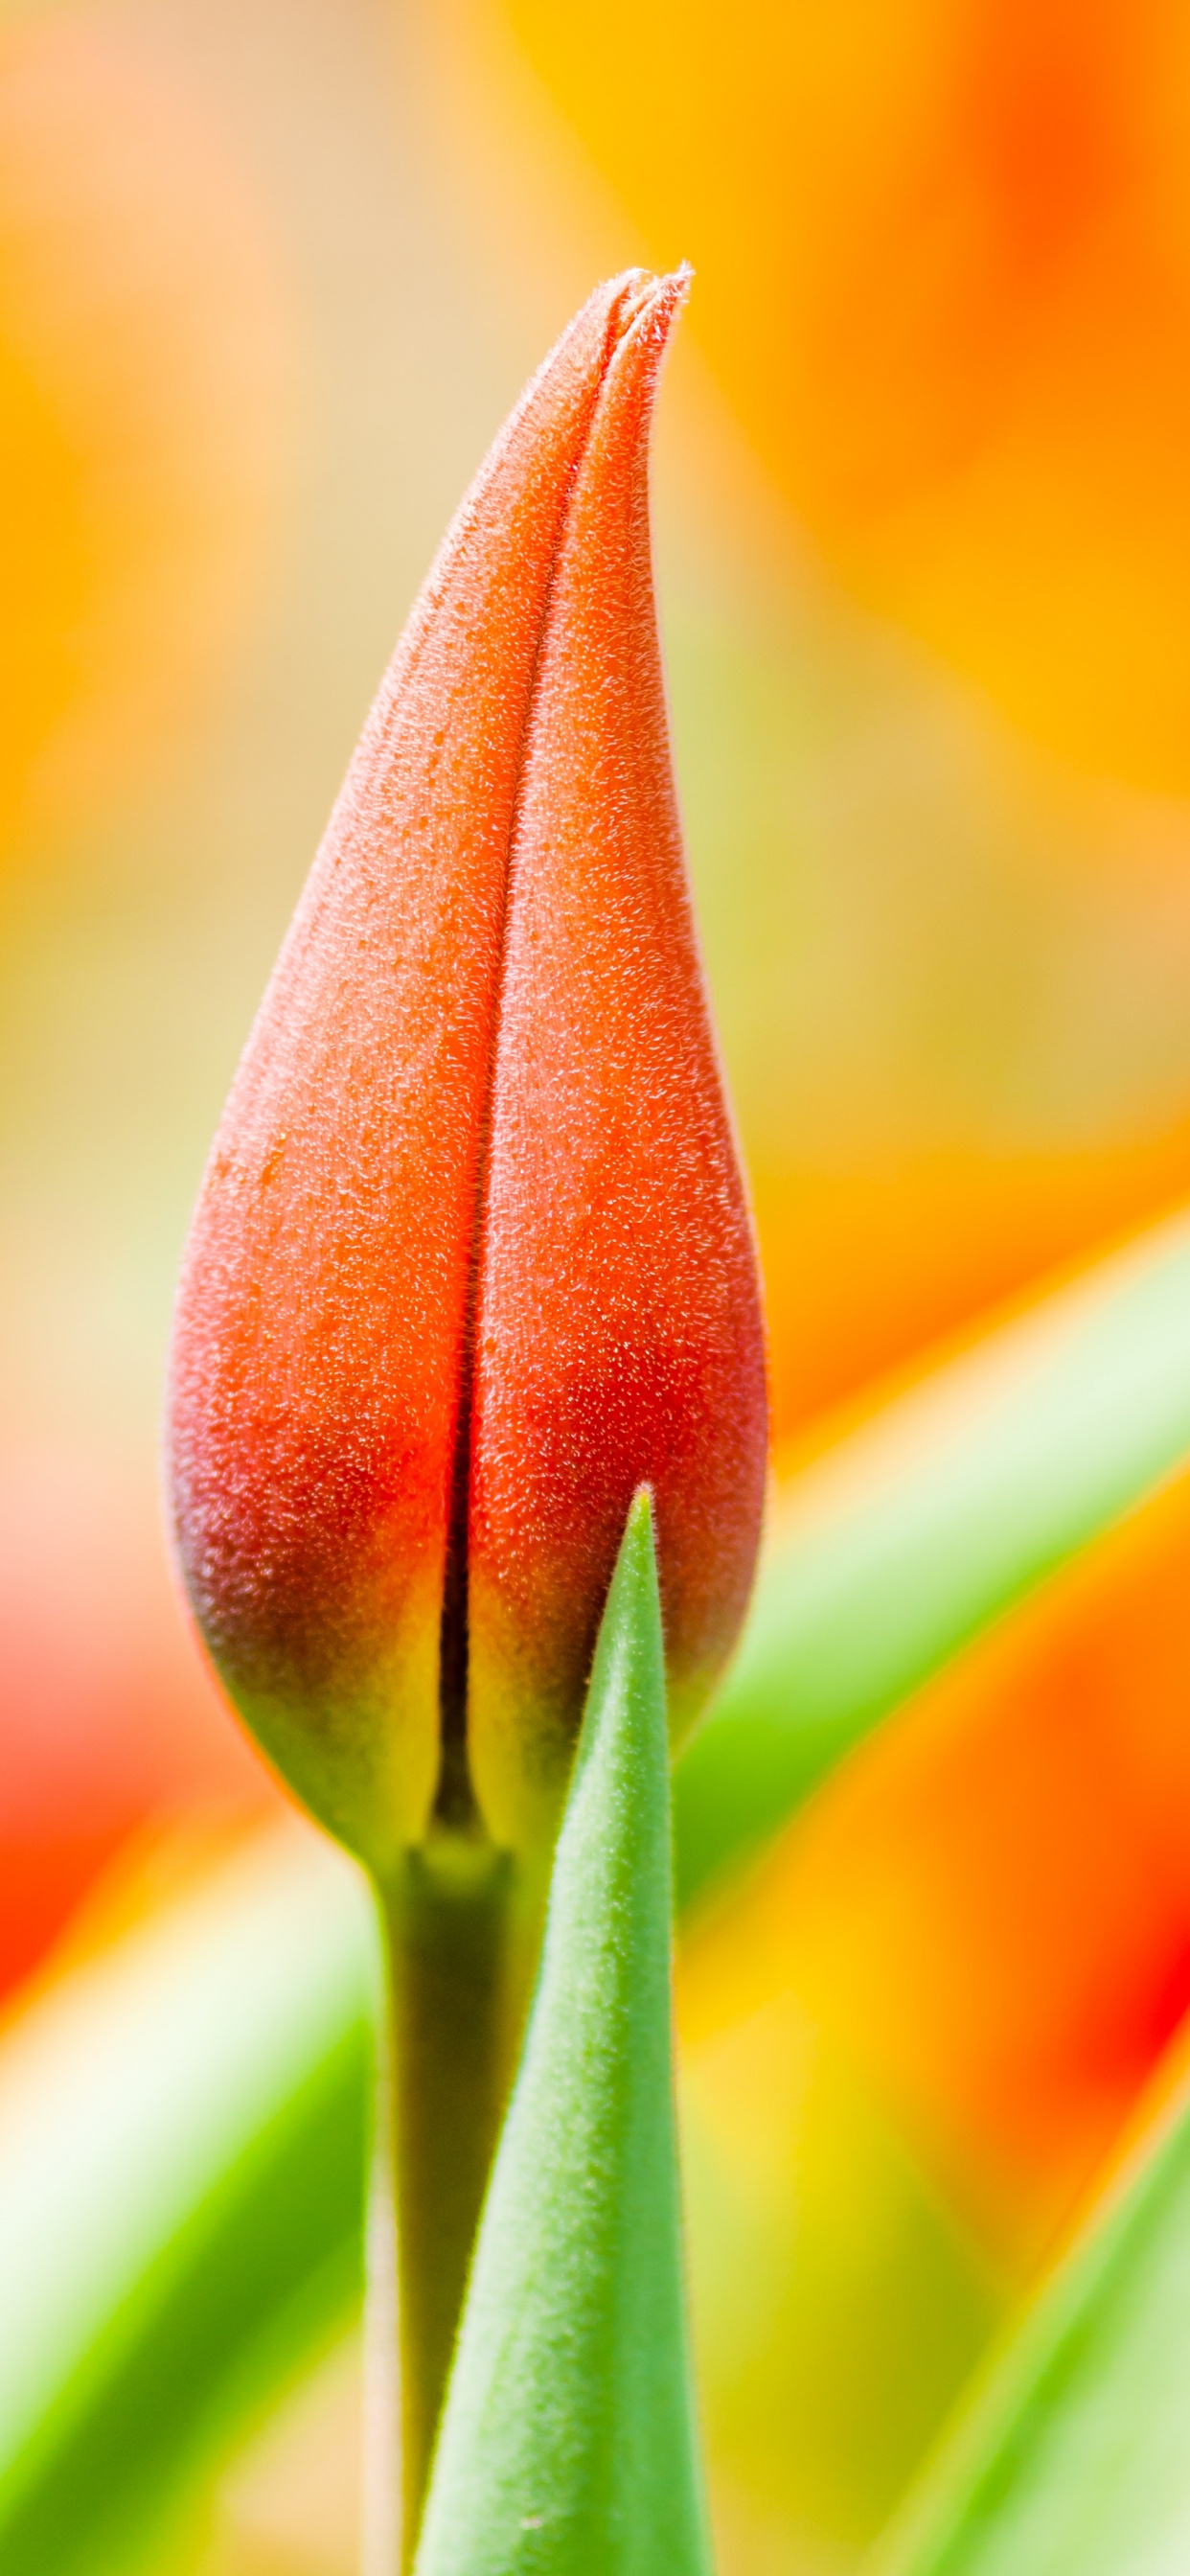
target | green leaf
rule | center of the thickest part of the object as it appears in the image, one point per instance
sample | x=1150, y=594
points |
x=182, y=2146
x=567, y=2445
x=892, y=1551
x=1074, y=2458
x=908, y=1537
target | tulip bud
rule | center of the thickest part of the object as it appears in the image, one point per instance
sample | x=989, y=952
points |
x=471, y=1259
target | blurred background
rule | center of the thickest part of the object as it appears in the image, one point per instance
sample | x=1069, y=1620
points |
x=270, y=276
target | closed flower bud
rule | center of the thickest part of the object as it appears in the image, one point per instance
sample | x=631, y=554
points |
x=471, y=1259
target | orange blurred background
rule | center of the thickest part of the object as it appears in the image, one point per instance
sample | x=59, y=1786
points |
x=268, y=281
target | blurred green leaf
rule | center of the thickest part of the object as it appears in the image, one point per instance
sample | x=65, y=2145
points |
x=1074, y=2459
x=182, y=2122
x=182, y=2154
x=839, y=2304
x=908, y=1537
x=567, y=2445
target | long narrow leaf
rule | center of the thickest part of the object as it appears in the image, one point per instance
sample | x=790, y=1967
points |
x=1075, y=2458
x=567, y=2444
x=892, y=1551
x=910, y=1536
x=182, y=2127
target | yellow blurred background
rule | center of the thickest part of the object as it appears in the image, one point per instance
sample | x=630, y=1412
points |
x=269, y=278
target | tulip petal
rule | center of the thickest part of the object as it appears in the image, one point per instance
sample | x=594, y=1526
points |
x=471, y=1258
x=322, y=1313
x=618, y=1334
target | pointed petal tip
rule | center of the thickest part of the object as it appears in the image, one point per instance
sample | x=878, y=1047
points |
x=665, y=304
x=642, y=309
x=645, y=300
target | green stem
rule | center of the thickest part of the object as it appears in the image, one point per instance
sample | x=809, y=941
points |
x=457, y=1938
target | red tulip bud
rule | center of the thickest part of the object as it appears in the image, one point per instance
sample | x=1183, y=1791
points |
x=471, y=1259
